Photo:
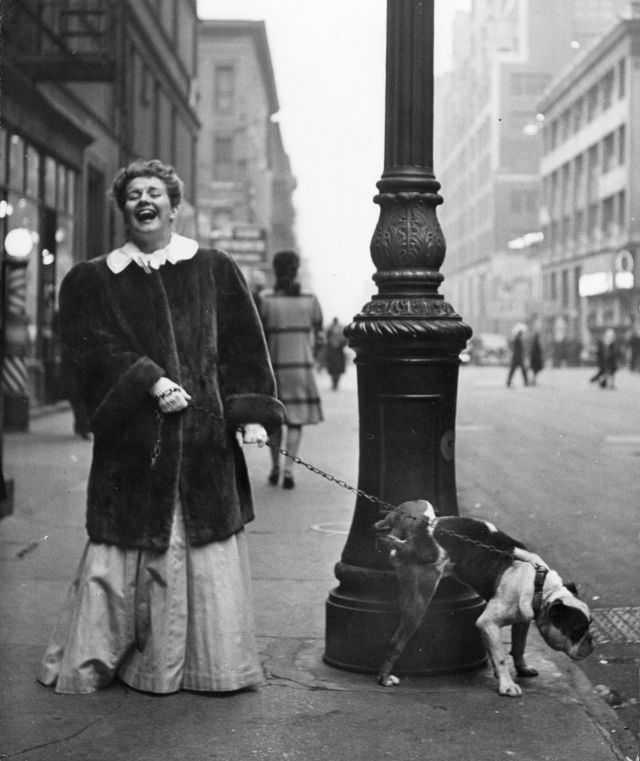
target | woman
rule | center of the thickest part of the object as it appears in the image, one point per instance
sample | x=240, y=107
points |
x=167, y=341
x=334, y=352
x=293, y=324
x=536, y=359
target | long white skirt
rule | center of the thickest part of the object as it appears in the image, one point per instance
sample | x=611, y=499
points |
x=180, y=619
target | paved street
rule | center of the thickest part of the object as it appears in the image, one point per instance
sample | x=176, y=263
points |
x=554, y=465
x=557, y=466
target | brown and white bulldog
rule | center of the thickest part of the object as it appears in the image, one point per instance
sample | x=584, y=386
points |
x=517, y=584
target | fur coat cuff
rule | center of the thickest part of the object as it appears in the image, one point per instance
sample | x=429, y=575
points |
x=117, y=408
x=254, y=408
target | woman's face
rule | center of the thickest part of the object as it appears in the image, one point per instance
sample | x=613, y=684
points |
x=148, y=213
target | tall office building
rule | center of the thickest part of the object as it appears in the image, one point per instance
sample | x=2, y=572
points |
x=245, y=183
x=591, y=193
x=488, y=147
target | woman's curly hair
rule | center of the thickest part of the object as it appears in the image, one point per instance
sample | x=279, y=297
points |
x=151, y=168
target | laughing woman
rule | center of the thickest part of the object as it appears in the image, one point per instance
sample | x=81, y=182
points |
x=172, y=360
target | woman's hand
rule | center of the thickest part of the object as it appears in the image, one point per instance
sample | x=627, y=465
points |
x=252, y=433
x=170, y=396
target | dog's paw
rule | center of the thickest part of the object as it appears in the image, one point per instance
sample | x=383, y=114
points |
x=526, y=671
x=388, y=681
x=509, y=689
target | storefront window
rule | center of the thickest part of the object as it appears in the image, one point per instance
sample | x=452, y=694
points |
x=62, y=188
x=25, y=214
x=71, y=189
x=33, y=166
x=3, y=155
x=16, y=163
x=50, y=182
x=64, y=247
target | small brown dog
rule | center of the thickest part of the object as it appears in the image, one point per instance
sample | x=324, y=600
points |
x=518, y=585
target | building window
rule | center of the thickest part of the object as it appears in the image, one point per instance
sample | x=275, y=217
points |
x=592, y=103
x=622, y=78
x=608, y=152
x=224, y=87
x=607, y=90
x=553, y=286
x=622, y=210
x=577, y=115
x=622, y=137
x=593, y=219
x=223, y=158
x=578, y=231
x=565, y=289
x=607, y=216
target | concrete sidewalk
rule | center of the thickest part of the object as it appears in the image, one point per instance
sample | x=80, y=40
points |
x=306, y=711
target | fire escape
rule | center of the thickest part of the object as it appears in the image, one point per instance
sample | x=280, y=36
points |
x=63, y=40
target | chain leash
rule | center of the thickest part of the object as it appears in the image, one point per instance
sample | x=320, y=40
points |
x=157, y=448
x=387, y=505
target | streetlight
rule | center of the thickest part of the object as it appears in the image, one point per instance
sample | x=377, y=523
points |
x=407, y=341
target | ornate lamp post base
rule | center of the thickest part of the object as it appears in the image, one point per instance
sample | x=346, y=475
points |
x=358, y=630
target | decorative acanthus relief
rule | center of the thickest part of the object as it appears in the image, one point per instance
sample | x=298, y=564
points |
x=408, y=234
x=408, y=307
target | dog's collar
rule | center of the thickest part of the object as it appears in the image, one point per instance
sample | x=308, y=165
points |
x=538, y=585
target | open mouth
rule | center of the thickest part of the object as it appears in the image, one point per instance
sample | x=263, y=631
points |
x=146, y=214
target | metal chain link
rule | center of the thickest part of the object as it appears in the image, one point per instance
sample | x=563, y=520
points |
x=157, y=448
x=376, y=500
x=333, y=479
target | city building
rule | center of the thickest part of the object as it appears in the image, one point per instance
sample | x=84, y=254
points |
x=245, y=183
x=87, y=87
x=591, y=193
x=488, y=148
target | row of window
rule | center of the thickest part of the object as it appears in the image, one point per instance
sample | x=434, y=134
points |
x=34, y=175
x=576, y=182
x=598, y=98
x=562, y=287
x=605, y=218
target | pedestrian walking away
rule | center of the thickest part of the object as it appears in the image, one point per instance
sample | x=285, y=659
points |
x=293, y=326
x=536, y=357
x=175, y=374
x=517, y=357
x=335, y=360
x=607, y=359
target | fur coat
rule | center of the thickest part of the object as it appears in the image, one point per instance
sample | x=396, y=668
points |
x=195, y=322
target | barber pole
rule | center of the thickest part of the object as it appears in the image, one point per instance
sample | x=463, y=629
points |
x=15, y=375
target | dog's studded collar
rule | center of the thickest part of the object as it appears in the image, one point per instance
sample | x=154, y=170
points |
x=538, y=584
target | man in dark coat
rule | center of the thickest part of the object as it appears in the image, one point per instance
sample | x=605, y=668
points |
x=517, y=358
x=173, y=361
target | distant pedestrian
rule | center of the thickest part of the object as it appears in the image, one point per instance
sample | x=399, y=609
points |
x=293, y=325
x=335, y=359
x=607, y=358
x=536, y=357
x=517, y=357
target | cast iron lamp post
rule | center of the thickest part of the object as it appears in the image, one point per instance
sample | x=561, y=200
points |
x=407, y=340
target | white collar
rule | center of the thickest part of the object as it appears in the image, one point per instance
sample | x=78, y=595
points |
x=178, y=249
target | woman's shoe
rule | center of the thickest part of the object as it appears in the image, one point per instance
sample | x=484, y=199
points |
x=288, y=482
x=274, y=476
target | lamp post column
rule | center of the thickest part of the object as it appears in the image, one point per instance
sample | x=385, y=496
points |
x=407, y=340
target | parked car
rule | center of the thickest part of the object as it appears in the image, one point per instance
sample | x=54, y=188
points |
x=489, y=349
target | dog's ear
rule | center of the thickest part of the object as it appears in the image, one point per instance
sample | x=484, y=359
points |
x=572, y=588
